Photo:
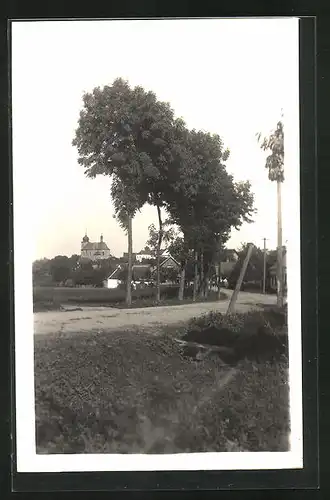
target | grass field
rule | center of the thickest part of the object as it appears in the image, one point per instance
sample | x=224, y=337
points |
x=51, y=298
x=136, y=392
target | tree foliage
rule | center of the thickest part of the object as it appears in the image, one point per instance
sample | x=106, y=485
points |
x=127, y=133
x=206, y=203
x=153, y=239
x=153, y=158
x=275, y=144
x=62, y=270
x=255, y=270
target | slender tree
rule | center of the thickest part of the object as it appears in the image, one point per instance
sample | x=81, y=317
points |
x=275, y=166
x=126, y=203
x=164, y=234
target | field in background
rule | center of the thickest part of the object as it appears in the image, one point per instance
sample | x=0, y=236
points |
x=50, y=298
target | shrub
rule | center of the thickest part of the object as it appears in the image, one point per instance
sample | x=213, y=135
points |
x=253, y=335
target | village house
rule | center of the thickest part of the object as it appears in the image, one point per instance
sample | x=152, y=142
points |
x=145, y=254
x=141, y=273
x=94, y=251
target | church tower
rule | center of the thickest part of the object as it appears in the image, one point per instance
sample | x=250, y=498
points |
x=84, y=240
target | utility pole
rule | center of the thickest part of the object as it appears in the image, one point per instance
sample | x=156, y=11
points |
x=219, y=278
x=130, y=263
x=279, y=248
x=264, y=273
x=240, y=279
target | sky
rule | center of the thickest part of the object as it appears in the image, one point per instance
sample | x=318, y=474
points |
x=232, y=77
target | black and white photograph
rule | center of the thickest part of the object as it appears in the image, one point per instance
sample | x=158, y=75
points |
x=156, y=219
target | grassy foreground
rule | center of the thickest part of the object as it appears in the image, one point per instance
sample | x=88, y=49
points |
x=135, y=392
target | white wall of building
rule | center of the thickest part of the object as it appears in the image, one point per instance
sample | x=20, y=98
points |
x=141, y=256
x=112, y=283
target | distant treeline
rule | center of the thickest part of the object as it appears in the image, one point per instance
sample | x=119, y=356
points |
x=72, y=271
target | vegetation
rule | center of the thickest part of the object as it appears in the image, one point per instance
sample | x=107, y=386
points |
x=72, y=271
x=257, y=335
x=52, y=298
x=137, y=392
x=253, y=278
x=205, y=204
x=275, y=166
x=127, y=134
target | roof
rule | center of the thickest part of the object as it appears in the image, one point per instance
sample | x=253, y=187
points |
x=95, y=246
x=115, y=273
x=144, y=252
x=140, y=271
x=125, y=255
x=165, y=259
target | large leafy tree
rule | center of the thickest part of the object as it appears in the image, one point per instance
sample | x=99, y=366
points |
x=205, y=202
x=127, y=133
x=274, y=144
x=41, y=272
x=60, y=268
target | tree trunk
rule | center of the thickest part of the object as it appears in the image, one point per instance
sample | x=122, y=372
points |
x=264, y=268
x=279, y=248
x=207, y=283
x=207, y=287
x=159, y=243
x=130, y=262
x=202, y=276
x=219, y=281
x=195, y=275
x=182, y=279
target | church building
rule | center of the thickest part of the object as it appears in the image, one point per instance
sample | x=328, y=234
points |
x=94, y=251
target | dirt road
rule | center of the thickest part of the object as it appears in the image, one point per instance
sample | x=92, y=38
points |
x=105, y=318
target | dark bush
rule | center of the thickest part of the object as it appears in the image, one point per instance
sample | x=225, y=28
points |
x=254, y=335
x=170, y=292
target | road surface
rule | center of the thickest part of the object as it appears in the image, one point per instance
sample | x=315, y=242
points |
x=105, y=318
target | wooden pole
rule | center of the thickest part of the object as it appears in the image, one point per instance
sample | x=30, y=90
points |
x=195, y=275
x=219, y=278
x=202, y=283
x=264, y=278
x=233, y=299
x=130, y=263
x=279, y=247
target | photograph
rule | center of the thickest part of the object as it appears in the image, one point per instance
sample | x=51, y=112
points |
x=156, y=222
